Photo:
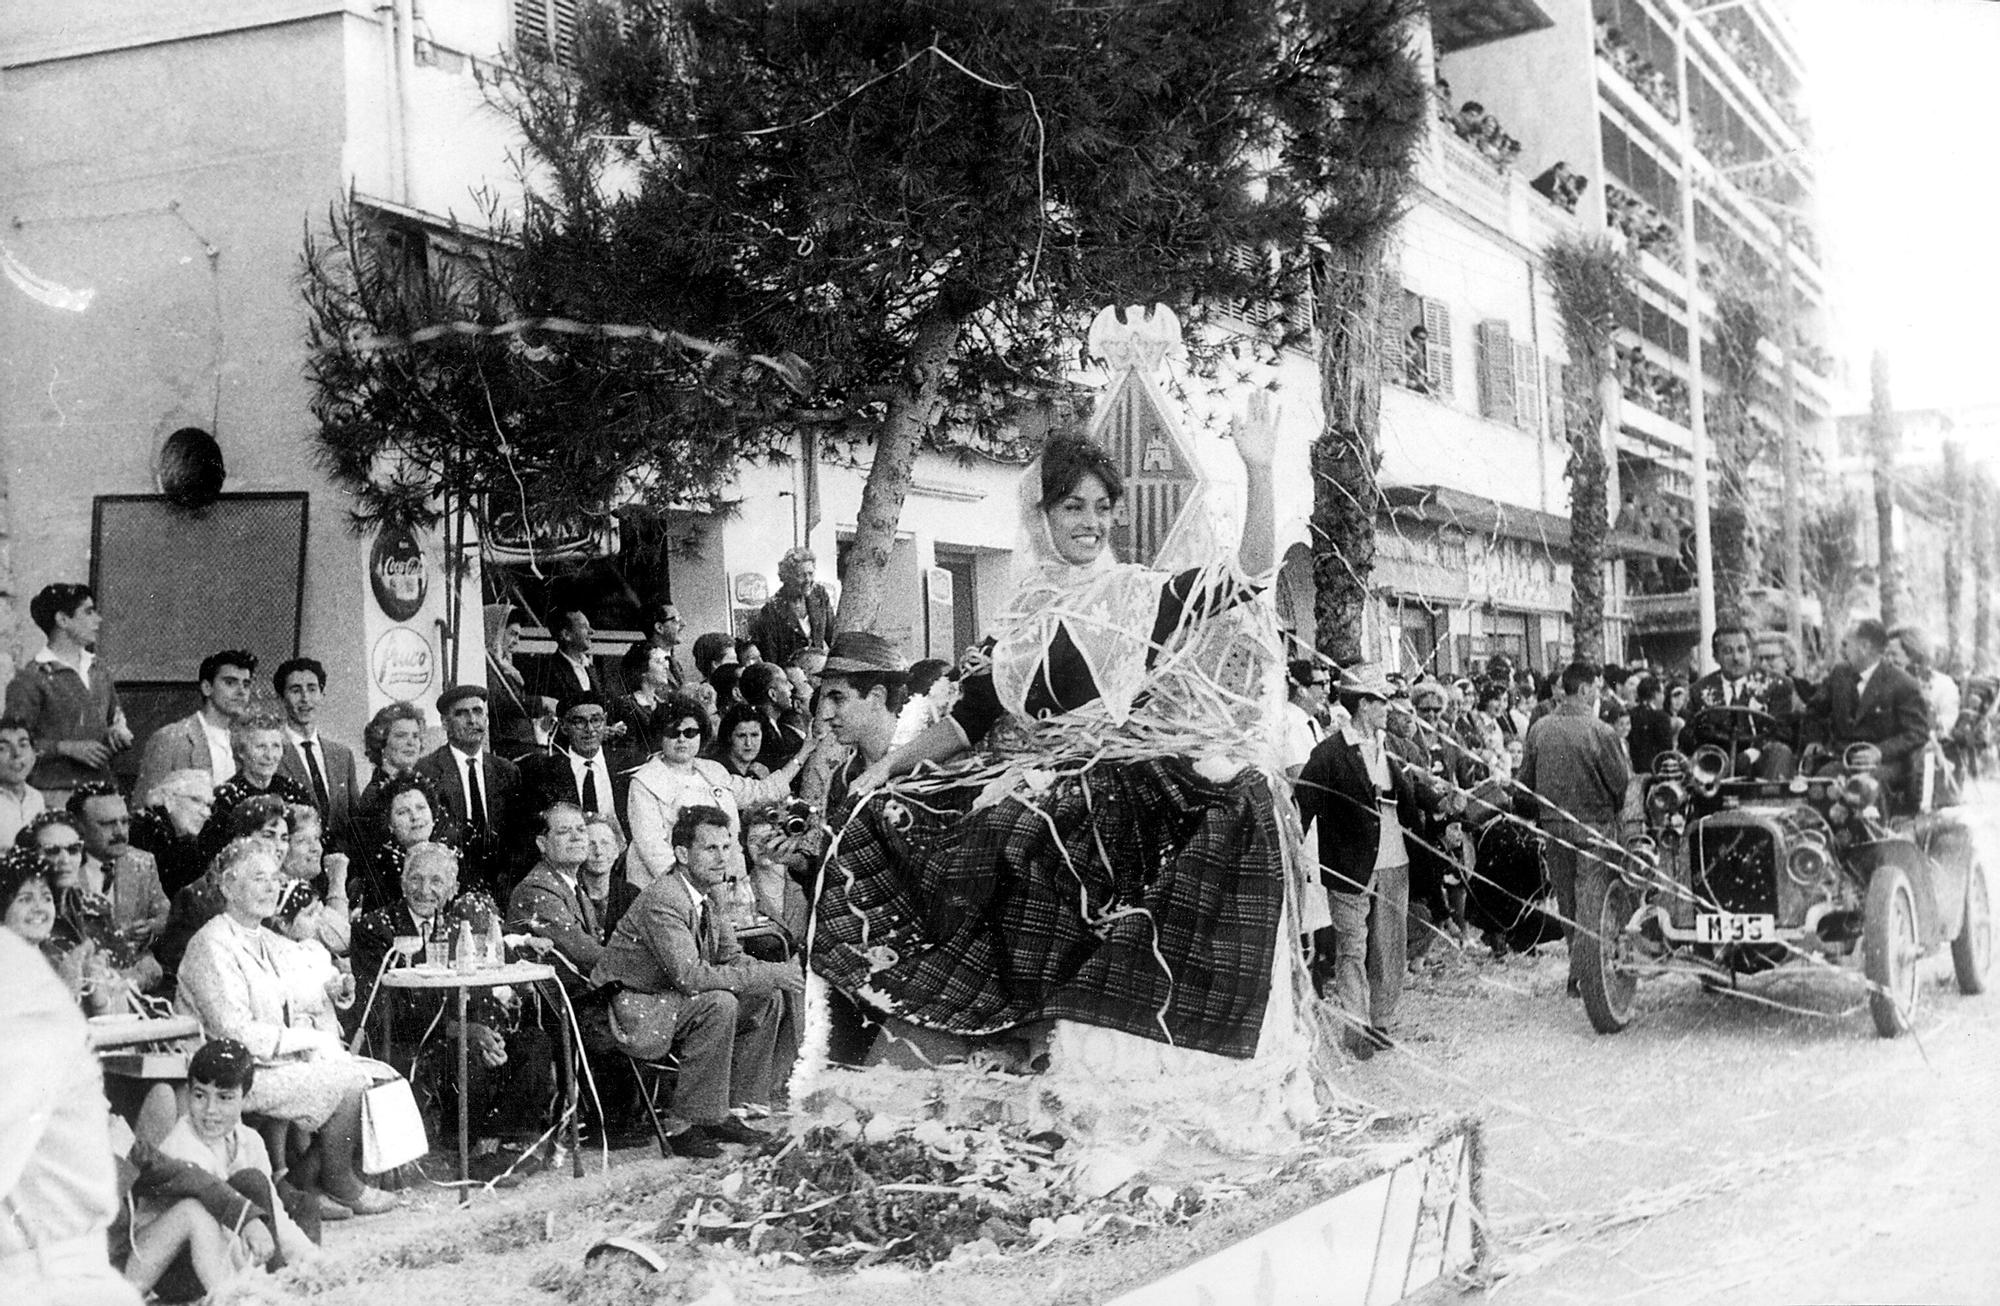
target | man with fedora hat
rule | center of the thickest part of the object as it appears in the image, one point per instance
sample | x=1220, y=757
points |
x=863, y=686
x=579, y=769
x=477, y=787
x=1363, y=796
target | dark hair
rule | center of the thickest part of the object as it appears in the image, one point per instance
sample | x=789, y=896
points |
x=896, y=683
x=1578, y=674
x=25, y=836
x=253, y=814
x=632, y=663
x=738, y=714
x=1649, y=688
x=754, y=685
x=1066, y=460
x=1614, y=674
x=17, y=867
x=1489, y=691
x=88, y=789
x=1299, y=672
x=60, y=599
x=652, y=614
x=212, y=665
x=223, y=1063
x=744, y=645
x=12, y=722
x=708, y=651
x=1872, y=633
x=693, y=818
x=375, y=735
x=1611, y=709
x=1732, y=628
x=725, y=678
x=559, y=618
x=924, y=673
x=292, y=666
x=404, y=783
x=561, y=804
x=676, y=708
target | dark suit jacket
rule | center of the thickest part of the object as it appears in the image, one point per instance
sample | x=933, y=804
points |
x=1893, y=714
x=1729, y=729
x=548, y=778
x=551, y=676
x=1335, y=792
x=414, y=1010
x=777, y=633
x=337, y=760
x=486, y=855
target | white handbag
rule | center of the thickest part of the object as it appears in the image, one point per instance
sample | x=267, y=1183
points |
x=392, y=1129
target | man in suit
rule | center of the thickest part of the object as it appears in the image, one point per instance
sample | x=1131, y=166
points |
x=115, y=873
x=324, y=768
x=580, y=770
x=1362, y=796
x=689, y=989
x=510, y=1069
x=477, y=788
x=200, y=741
x=1867, y=700
x=570, y=669
x=1735, y=683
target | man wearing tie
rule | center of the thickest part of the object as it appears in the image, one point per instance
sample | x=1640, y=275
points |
x=688, y=989
x=325, y=768
x=1867, y=700
x=477, y=788
x=579, y=770
x=1734, y=684
x=570, y=668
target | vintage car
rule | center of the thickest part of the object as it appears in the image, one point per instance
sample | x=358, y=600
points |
x=1736, y=875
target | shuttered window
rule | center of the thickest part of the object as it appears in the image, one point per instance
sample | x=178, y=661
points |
x=1527, y=388
x=1496, y=371
x=545, y=30
x=1421, y=362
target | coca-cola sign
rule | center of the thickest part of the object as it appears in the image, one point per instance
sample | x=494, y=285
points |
x=398, y=573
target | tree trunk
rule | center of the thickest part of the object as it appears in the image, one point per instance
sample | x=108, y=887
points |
x=1882, y=430
x=912, y=413
x=1344, y=458
x=1950, y=651
x=1589, y=524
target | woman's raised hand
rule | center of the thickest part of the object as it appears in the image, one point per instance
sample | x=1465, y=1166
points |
x=1255, y=430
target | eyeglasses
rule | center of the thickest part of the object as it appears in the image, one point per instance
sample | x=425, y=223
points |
x=586, y=721
x=685, y=732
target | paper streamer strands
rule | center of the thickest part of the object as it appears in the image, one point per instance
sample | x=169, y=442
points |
x=790, y=368
x=41, y=289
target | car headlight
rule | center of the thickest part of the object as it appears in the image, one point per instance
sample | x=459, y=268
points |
x=1707, y=768
x=1861, y=792
x=1665, y=799
x=1808, y=864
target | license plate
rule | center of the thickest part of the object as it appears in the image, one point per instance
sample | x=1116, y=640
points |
x=1727, y=927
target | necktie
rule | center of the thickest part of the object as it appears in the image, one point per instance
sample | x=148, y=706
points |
x=586, y=911
x=308, y=748
x=475, y=801
x=590, y=786
x=701, y=929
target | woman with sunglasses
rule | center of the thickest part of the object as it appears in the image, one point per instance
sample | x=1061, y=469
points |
x=678, y=775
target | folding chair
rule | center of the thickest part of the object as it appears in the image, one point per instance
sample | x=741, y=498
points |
x=655, y=1078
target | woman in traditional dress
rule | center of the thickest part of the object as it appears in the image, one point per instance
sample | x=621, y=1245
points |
x=1103, y=876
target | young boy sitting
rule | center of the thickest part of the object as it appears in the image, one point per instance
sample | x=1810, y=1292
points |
x=212, y=1138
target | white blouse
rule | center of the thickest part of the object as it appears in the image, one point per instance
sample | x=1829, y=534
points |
x=658, y=794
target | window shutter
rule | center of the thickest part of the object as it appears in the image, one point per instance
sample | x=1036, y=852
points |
x=546, y=29
x=1527, y=388
x=1437, y=353
x=1496, y=371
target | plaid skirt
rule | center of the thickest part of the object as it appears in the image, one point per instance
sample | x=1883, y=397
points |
x=1137, y=896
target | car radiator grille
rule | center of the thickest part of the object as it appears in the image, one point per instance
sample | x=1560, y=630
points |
x=1737, y=870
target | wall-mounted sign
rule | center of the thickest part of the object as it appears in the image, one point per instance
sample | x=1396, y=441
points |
x=402, y=664
x=752, y=588
x=398, y=573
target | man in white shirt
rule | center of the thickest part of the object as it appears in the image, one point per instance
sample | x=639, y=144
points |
x=1306, y=683
x=579, y=770
x=323, y=767
x=20, y=802
x=569, y=669
x=201, y=741
x=68, y=698
x=478, y=789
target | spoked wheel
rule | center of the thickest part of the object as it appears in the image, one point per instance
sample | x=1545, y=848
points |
x=1604, y=904
x=1889, y=951
x=1972, y=950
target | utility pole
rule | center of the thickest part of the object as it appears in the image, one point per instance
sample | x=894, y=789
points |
x=1704, y=548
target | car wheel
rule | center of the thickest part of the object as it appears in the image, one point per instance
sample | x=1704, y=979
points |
x=1972, y=950
x=1604, y=904
x=1889, y=951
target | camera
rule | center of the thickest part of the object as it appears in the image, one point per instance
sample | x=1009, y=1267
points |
x=799, y=818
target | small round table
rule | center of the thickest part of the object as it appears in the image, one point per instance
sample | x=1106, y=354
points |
x=463, y=981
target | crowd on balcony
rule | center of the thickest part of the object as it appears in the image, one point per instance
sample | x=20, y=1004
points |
x=1642, y=224
x=1471, y=123
x=1774, y=86
x=1652, y=386
x=1561, y=185
x=1646, y=77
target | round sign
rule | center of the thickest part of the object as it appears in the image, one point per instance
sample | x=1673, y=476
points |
x=401, y=664
x=398, y=573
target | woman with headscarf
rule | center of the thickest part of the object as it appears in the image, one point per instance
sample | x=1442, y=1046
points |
x=1102, y=878
x=514, y=711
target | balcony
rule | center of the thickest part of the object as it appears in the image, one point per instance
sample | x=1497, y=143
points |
x=1461, y=24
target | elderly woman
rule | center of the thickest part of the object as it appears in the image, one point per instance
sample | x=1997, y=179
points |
x=266, y=818
x=678, y=776
x=258, y=740
x=323, y=875
x=1101, y=881
x=236, y=981
x=411, y=814
x=169, y=826
x=602, y=878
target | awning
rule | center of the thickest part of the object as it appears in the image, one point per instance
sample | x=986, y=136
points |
x=1475, y=514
